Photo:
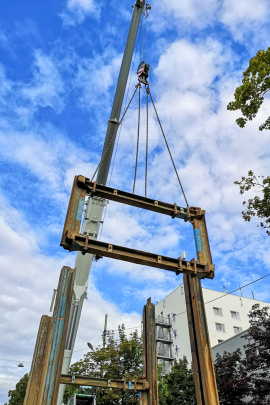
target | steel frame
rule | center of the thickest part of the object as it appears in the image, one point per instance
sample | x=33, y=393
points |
x=194, y=271
x=73, y=240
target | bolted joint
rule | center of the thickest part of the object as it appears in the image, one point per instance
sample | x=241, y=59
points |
x=195, y=213
x=80, y=181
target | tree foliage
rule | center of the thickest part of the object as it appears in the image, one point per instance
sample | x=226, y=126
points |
x=16, y=397
x=232, y=377
x=242, y=377
x=258, y=353
x=177, y=388
x=259, y=205
x=255, y=85
x=120, y=358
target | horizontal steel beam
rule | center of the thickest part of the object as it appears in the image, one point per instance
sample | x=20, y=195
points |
x=73, y=242
x=138, y=384
x=94, y=189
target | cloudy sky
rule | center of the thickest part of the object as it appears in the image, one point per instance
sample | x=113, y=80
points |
x=59, y=64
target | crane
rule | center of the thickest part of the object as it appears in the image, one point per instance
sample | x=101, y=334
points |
x=95, y=206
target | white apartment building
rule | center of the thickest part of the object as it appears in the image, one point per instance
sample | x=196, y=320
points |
x=227, y=315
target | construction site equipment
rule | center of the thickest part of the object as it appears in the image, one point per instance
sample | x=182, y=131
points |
x=194, y=270
x=82, y=236
x=73, y=240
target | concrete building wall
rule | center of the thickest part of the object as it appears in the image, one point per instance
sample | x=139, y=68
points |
x=230, y=345
x=227, y=316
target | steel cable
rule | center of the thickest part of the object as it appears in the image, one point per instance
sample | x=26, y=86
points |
x=138, y=141
x=146, y=148
x=112, y=138
x=177, y=175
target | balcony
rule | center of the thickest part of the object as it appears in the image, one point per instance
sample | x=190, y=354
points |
x=164, y=353
x=163, y=321
x=164, y=336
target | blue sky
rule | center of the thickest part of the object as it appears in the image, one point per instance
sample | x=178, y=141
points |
x=59, y=64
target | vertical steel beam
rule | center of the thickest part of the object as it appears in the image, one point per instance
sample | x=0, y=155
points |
x=58, y=336
x=37, y=367
x=150, y=355
x=202, y=361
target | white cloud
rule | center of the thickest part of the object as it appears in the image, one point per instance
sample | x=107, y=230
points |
x=95, y=77
x=190, y=12
x=245, y=17
x=27, y=279
x=77, y=10
x=46, y=88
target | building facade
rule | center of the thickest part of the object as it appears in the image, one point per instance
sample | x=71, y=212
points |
x=227, y=316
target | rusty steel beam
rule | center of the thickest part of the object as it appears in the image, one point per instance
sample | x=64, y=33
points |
x=75, y=209
x=137, y=384
x=81, y=243
x=201, y=239
x=150, y=355
x=109, y=193
x=56, y=343
x=37, y=368
x=202, y=361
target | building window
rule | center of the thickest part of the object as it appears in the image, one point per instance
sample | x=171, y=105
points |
x=220, y=327
x=217, y=311
x=220, y=341
x=235, y=315
x=237, y=329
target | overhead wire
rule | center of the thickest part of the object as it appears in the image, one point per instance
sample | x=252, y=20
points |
x=215, y=299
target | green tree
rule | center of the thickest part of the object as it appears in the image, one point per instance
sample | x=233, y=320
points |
x=233, y=380
x=258, y=353
x=255, y=85
x=248, y=98
x=120, y=358
x=16, y=397
x=258, y=206
x=178, y=387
